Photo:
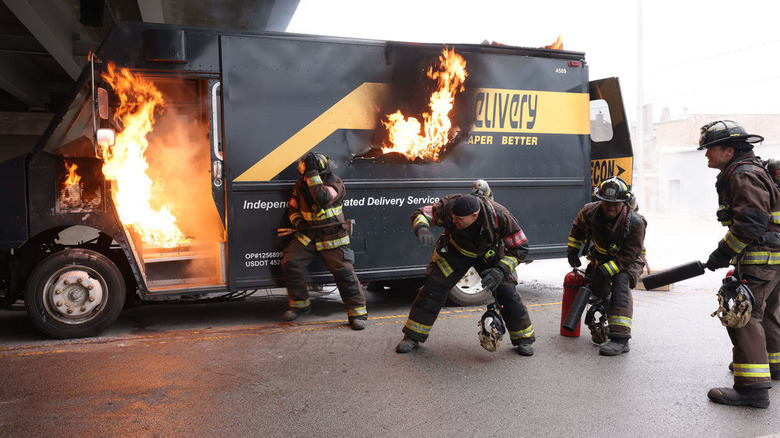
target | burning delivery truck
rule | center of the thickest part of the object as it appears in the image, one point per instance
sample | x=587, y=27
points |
x=169, y=171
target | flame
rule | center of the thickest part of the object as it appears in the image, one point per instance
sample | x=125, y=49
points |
x=126, y=165
x=405, y=134
x=73, y=177
x=557, y=45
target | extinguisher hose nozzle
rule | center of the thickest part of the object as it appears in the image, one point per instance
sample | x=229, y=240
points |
x=578, y=306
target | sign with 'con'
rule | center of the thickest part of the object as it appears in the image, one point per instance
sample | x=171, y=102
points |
x=606, y=168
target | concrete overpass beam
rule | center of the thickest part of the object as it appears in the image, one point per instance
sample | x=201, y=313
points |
x=51, y=27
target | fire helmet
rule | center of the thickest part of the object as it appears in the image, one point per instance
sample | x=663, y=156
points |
x=735, y=303
x=598, y=325
x=612, y=189
x=724, y=132
x=491, y=328
x=481, y=187
x=323, y=164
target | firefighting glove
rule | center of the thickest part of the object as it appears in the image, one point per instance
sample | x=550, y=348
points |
x=425, y=236
x=574, y=259
x=310, y=161
x=719, y=258
x=491, y=278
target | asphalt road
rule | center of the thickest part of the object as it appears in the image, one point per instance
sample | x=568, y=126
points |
x=232, y=369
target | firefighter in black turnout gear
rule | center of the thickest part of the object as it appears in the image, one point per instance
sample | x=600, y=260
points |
x=750, y=208
x=612, y=234
x=481, y=233
x=315, y=210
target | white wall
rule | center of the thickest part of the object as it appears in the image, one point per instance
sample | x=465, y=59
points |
x=696, y=186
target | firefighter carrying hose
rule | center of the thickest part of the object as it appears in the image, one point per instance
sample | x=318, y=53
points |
x=750, y=208
x=612, y=234
x=481, y=233
x=316, y=213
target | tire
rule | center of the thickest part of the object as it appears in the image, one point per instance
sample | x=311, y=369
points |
x=469, y=292
x=74, y=293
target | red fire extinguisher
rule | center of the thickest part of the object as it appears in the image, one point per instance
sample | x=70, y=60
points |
x=571, y=285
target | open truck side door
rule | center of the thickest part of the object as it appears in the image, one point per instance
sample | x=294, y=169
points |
x=611, y=151
x=190, y=145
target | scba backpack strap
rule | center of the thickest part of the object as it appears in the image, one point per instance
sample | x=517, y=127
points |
x=627, y=220
x=772, y=169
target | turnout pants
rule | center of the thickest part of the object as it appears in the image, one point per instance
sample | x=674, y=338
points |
x=295, y=263
x=441, y=278
x=756, y=351
x=621, y=304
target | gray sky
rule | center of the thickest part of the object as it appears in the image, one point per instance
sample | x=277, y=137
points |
x=702, y=57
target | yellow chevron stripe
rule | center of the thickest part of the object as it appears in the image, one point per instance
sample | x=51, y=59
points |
x=357, y=110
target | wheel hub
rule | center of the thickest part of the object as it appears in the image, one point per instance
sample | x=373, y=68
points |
x=470, y=283
x=76, y=294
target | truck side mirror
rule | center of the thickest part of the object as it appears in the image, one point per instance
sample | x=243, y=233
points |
x=103, y=103
x=106, y=137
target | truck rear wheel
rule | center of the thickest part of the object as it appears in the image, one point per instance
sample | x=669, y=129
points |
x=469, y=292
x=74, y=293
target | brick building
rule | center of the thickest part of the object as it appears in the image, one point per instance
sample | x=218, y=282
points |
x=676, y=177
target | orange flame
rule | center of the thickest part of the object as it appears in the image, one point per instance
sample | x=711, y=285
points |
x=404, y=134
x=126, y=165
x=557, y=45
x=73, y=177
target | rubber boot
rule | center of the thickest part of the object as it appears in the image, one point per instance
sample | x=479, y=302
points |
x=525, y=349
x=406, y=345
x=294, y=312
x=757, y=398
x=358, y=324
x=614, y=347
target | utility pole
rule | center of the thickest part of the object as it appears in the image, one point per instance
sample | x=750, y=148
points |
x=639, y=147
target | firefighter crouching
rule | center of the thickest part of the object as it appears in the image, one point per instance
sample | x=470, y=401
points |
x=316, y=203
x=750, y=208
x=481, y=233
x=616, y=234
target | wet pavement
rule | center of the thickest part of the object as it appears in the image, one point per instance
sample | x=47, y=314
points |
x=233, y=369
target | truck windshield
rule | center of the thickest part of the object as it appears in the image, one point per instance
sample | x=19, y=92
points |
x=72, y=136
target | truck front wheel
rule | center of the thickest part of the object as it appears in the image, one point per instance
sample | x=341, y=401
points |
x=469, y=292
x=74, y=293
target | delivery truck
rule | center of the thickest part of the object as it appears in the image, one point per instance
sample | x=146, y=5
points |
x=168, y=172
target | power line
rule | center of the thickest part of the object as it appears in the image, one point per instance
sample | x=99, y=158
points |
x=717, y=55
x=720, y=87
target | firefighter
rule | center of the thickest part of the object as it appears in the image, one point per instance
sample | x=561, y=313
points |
x=316, y=213
x=481, y=233
x=612, y=234
x=750, y=208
